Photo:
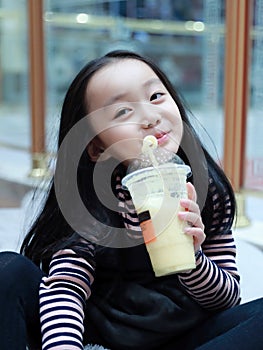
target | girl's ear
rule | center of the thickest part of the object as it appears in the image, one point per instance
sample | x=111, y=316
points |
x=96, y=152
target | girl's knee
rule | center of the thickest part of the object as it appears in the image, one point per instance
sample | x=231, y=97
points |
x=15, y=270
x=7, y=259
x=257, y=306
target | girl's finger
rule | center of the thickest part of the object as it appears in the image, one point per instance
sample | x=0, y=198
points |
x=193, y=219
x=198, y=236
x=191, y=191
x=190, y=205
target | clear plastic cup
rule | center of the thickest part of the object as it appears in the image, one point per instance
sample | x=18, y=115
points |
x=156, y=194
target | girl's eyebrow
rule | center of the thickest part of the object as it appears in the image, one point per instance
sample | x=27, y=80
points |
x=114, y=99
x=152, y=81
x=121, y=96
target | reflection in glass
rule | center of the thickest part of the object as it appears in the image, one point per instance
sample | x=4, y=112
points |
x=14, y=118
x=185, y=38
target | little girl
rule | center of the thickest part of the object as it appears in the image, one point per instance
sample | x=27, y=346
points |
x=84, y=275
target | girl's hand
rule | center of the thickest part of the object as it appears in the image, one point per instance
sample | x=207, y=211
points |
x=192, y=217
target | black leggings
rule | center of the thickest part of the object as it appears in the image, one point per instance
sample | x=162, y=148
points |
x=240, y=327
x=19, y=302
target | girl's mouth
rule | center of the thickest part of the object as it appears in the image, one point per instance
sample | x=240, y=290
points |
x=162, y=137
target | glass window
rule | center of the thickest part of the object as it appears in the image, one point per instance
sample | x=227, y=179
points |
x=14, y=115
x=185, y=37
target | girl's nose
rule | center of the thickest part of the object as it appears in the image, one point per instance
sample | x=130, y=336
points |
x=151, y=122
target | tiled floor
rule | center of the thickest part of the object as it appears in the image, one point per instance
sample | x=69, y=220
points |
x=15, y=215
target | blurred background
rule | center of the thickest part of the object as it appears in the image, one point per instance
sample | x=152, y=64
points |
x=187, y=38
x=212, y=50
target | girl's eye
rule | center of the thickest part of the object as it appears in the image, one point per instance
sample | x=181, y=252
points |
x=156, y=96
x=122, y=112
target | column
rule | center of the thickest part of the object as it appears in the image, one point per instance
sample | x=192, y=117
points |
x=37, y=87
x=237, y=63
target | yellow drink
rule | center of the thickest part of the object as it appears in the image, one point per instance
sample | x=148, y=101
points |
x=156, y=193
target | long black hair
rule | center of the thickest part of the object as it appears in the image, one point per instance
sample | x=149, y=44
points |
x=51, y=231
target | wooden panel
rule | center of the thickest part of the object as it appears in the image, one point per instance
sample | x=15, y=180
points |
x=37, y=75
x=237, y=63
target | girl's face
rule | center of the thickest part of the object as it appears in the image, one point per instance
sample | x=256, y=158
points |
x=127, y=101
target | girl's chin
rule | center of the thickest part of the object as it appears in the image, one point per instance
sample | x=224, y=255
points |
x=170, y=146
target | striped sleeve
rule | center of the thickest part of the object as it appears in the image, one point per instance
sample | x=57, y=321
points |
x=62, y=297
x=215, y=281
x=126, y=208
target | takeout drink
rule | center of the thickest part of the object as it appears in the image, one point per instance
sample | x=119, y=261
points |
x=156, y=192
